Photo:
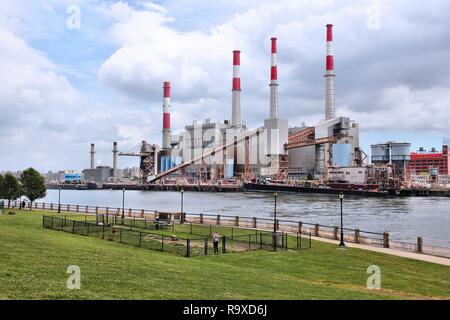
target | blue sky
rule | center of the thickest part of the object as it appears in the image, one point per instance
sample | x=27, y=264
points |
x=61, y=89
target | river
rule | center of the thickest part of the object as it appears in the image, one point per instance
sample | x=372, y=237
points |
x=403, y=218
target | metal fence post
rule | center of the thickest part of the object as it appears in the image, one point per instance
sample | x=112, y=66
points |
x=236, y=221
x=51, y=226
x=218, y=219
x=249, y=241
x=86, y=210
x=103, y=231
x=278, y=224
x=140, y=239
x=190, y=228
x=316, y=230
x=260, y=240
x=335, y=232
x=210, y=230
x=357, y=235
x=201, y=217
x=162, y=243
x=51, y=206
x=188, y=247
x=300, y=227
x=385, y=240
x=142, y=213
x=310, y=240
x=286, y=241
x=232, y=233
x=224, y=241
x=419, y=244
x=254, y=222
x=206, y=247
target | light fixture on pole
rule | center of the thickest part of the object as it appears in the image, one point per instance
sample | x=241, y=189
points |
x=341, y=243
x=182, y=212
x=123, y=205
x=59, y=200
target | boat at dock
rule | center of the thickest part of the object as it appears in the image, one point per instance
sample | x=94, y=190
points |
x=335, y=189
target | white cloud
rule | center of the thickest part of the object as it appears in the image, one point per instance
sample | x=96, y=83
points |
x=370, y=63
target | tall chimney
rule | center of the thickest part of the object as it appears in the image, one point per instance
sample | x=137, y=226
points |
x=329, y=75
x=166, y=116
x=236, y=90
x=273, y=82
x=115, y=151
x=92, y=152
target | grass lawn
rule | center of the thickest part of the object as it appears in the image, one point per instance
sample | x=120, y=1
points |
x=33, y=264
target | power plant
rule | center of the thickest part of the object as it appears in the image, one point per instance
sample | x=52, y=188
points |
x=327, y=153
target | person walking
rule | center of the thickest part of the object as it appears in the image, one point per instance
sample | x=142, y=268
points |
x=216, y=238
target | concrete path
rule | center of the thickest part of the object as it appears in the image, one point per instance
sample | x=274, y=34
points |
x=404, y=254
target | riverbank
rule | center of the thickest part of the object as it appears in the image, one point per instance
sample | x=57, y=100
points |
x=249, y=187
x=111, y=270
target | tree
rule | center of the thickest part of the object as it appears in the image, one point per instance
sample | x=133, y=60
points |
x=2, y=194
x=33, y=185
x=10, y=187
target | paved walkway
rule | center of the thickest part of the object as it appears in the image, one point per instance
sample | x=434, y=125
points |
x=404, y=254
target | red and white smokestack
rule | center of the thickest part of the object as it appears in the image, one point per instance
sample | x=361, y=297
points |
x=273, y=81
x=329, y=75
x=166, y=116
x=236, y=90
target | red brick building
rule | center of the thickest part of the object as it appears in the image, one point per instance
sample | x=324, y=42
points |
x=422, y=162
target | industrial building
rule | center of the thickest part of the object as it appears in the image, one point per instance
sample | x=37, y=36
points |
x=101, y=174
x=433, y=162
x=228, y=151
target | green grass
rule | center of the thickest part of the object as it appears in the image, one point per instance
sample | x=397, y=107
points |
x=33, y=264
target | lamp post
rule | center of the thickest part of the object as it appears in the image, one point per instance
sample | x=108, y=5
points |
x=182, y=214
x=59, y=200
x=274, y=240
x=123, y=205
x=275, y=214
x=342, y=244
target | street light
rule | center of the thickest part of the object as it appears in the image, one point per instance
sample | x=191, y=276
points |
x=342, y=244
x=123, y=205
x=275, y=213
x=59, y=200
x=182, y=215
x=274, y=240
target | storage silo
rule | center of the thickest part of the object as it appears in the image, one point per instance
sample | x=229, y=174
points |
x=229, y=168
x=342, y=154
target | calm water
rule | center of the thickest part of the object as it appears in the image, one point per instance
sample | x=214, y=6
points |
x=403, y=218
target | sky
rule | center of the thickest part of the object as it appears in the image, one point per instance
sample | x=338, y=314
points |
x=75, y=72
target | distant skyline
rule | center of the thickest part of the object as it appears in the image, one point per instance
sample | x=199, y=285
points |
x=75, y=72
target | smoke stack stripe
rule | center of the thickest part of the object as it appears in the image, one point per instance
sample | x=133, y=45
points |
x=236, y=90
x=166, y=116
x=329, y=99
x=274, y=81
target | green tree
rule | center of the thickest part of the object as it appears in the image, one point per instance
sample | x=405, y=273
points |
x=10, y=188
x=2, y=194
x=33, y=185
